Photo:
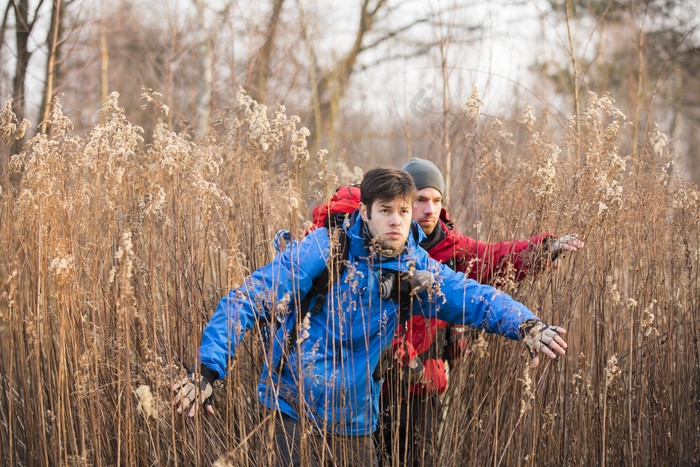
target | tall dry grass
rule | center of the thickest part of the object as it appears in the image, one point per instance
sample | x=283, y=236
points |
x=115, y=252
x=627, y=391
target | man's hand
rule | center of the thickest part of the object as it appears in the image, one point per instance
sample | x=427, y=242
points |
x=542, y=337
x=434, y=379
x=194, y=388
x=403, y=358
x=418, y=280
x=413, y=372
x=563, y=244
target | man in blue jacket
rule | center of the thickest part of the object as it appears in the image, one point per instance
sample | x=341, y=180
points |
x=318, y=377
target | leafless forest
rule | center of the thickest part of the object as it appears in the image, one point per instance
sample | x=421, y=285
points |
x=149, y=151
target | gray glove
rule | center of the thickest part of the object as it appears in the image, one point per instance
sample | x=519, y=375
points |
x=542, y=337
x=193, y=388
x=413, y=282
x=419, y=280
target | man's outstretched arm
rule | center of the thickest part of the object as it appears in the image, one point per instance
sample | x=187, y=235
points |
x=275, y=284
x=461, y=300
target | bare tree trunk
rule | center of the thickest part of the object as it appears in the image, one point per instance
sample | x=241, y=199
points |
x=637, y=99
x=204, y=104
x=574, y=64
x=51, y=69
x=260, y=71
x=313, y=71
x=23, y=29
x=104, y=63
x=409, y=141
x=333, y=84
x=447, y=147
x=233, y=84
x=3, y=28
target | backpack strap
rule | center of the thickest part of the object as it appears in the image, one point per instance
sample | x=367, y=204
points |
x=396, y=285
x=335, y=269
x=335, y=220
x=319, y=288
x=399, y=290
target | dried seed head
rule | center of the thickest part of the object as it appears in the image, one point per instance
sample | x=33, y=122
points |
x=612, y=371
x=481, y=347
x=648, y=320
x=528, y=119
x=146, y=405
x=472, y=107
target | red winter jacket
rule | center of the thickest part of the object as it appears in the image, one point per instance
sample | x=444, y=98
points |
x=431, y=339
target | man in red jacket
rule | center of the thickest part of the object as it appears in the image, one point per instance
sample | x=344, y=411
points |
x=429, y=344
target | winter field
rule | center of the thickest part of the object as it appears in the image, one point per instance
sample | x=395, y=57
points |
x=117, y=245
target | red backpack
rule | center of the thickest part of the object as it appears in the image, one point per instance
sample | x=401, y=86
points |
x=332, y=213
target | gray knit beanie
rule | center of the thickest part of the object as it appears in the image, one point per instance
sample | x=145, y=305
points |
x=425, y=174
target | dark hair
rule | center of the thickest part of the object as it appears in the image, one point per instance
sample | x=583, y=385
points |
x=385, y=184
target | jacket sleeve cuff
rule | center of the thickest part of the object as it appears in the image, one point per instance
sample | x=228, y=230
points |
x=527, y=326
x=208, y=374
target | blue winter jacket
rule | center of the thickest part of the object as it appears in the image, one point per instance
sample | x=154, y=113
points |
x=340, y=345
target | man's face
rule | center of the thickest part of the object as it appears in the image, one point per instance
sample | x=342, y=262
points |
x=389, y=223
x=426, y=209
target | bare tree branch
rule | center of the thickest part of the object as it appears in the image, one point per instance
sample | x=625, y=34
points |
x=52, y=38
x=260, y=64
x=3, y=28
x=394, y=33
